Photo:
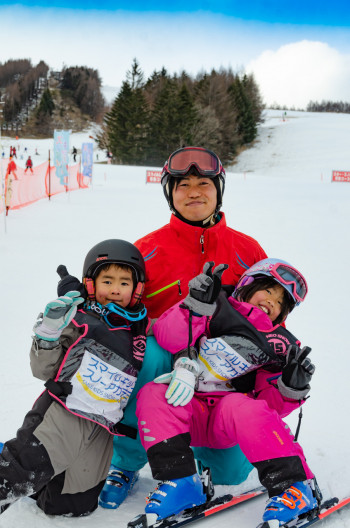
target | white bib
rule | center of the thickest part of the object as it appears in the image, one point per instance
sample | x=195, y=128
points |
x=99, y=388
x=219, y=363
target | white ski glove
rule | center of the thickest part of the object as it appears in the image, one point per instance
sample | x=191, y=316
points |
x=57, y=315
x=182, y=381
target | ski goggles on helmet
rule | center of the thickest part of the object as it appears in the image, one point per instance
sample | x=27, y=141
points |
x=117, y=316
x=292, y=279
x=205, y=161
x=287, y=276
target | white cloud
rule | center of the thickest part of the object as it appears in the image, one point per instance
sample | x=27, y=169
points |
x=301, y=72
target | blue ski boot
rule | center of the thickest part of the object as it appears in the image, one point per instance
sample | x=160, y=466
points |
x=1, y=446
x=289, y=505
x=118, y=484
x=172, y=496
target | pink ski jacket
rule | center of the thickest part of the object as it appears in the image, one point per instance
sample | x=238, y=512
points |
x=239, y=350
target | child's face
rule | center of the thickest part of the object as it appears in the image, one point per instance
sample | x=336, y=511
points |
x=269, y=301
x=114, y=285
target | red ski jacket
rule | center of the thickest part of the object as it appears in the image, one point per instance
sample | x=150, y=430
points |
x=11, y=167
x=176, y=253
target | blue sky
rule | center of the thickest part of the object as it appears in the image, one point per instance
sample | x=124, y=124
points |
x=298, y=50
x=313, y=12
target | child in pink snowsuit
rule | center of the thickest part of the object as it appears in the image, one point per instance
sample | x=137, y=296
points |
x=237, y=373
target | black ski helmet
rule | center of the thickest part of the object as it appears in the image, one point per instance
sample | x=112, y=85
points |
x=193, y=160
x=114, y=251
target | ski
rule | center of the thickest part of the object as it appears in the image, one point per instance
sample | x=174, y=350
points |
x=194, y=514
x=326, y=509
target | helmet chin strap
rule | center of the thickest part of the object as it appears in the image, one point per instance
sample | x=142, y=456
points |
x=137, y=295
x=90, y=288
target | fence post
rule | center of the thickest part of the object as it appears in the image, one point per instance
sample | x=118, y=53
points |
x=49, y=178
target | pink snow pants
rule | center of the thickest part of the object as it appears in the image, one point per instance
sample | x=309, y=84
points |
x=218, y=422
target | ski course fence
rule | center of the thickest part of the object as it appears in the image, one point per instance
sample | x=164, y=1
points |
x=42, y=183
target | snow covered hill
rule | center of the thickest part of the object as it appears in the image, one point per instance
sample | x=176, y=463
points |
x=279, y=192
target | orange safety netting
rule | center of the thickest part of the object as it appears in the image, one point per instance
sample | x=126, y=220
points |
x=42, y=183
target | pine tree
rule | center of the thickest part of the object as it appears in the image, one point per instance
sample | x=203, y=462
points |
x=163, y=138
x=44, y=112
x=127, y=122
x=46, y=106
x=186, y=116
x=246, y=125
x=212, y=93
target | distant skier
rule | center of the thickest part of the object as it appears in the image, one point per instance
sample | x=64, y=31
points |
x=11, y=169
x=9, y=177
x=245, y=374
x=90, y=370
x=74, y=152
x=29, y=165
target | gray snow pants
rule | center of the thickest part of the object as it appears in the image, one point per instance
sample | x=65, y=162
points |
x=26, y=468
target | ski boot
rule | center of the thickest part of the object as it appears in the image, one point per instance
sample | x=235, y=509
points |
x=118, y=485
x=297, y=500
x=1, y=446
x=173, y=496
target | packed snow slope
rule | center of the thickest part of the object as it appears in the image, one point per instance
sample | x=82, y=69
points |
x=279, y=192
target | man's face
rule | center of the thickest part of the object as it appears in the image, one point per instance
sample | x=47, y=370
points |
x=195, y=198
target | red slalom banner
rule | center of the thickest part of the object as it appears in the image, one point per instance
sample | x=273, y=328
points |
x=153, y=176
x=341, y=176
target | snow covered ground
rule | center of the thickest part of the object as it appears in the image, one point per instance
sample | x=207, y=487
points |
x=280, y=192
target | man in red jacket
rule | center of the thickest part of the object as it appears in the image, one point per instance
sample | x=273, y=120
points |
x=176, y=252
x=193, y=182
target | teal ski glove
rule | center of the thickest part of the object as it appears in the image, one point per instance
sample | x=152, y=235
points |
x=57, y=315
x=182, y=381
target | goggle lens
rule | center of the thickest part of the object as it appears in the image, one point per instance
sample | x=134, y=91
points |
x=288, y=275
x=205, y=161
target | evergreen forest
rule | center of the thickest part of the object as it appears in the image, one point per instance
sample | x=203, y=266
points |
x=152, y=117
x=149, y=118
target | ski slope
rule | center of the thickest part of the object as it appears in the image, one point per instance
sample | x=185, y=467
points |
x=279, y=192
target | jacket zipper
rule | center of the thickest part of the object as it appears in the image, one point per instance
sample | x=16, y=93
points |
x=202, y=243
x=177, y=282
x=179, y=286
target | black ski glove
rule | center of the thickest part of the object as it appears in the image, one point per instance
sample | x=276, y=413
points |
x=204, y=289
x=69, y=283
x=297, y=373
